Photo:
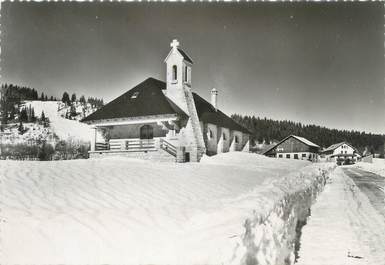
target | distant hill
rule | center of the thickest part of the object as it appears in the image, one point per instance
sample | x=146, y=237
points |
x=21, y=109
x=12, y=97
x=268, y=130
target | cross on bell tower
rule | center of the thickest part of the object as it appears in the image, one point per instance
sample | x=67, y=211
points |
x=174, y=44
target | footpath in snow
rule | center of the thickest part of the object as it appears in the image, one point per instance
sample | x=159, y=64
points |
x=234, y=208
x=343, y=227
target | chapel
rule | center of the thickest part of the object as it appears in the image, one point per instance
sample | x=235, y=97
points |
x=166, y=121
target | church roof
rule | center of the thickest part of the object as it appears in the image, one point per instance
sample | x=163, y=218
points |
x=207, y=113
x=147, y=98
x=144, y=99
x=185, y=56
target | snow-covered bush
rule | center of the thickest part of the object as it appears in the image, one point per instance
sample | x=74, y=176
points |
x=71, y=149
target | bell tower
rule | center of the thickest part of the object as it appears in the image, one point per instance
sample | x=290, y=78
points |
x=178, y=89
x=178, y=70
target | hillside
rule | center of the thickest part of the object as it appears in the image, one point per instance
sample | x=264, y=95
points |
x=59, y=128
x=62, y=127
x=268, y=130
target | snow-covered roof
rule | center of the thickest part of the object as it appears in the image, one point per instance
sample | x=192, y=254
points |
x=304, y=140
x=301, y=139
x=335, y=146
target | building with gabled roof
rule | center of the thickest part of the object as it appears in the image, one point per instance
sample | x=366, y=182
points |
x=165, y=120
x=341, y=151
x=294, y=147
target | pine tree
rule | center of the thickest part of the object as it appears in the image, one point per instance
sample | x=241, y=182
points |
x=3, y=104
x=73, y=97
x=33, y=118
x=72, y=111
x=42, y=96
x=42, y=116
x=82, y=99
x=65, y=99
x=21, y=128
x=12, y=114
x=23, y=115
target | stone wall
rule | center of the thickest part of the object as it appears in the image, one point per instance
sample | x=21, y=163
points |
x=211, y=141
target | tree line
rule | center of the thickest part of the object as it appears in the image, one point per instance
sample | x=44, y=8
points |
x=268, y=131
x=95, y=102
x=11, y=98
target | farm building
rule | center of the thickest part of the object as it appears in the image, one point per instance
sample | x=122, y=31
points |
x=340, y=151
x=294, y=147
x=165, y=120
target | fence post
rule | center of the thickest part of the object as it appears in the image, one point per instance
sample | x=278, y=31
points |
x=180, y=154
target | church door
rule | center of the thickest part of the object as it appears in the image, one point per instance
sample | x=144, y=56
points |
x=146, y=132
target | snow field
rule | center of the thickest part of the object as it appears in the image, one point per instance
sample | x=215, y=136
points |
x=228, y=209
x=377, y=167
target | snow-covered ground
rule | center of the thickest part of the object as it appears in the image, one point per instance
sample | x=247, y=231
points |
x=62, y=127
x=377, y=167
x=82, y=109
x=33, y=132
x=343, y=228
x=128, y=211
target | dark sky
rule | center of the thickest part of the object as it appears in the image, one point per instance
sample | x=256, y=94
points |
x=320, y=63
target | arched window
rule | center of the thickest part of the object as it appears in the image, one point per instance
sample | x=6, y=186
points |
x=185, y=74
x=174, y=73
x=146, y=132
x=236, y=139
x=224, y=136
x=210, y=134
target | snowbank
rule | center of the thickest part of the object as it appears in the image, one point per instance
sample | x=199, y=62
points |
x=229, y=209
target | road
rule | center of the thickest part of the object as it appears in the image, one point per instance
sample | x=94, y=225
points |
x=371, y=185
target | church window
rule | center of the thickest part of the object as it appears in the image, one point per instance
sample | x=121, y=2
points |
x=224, y=136
x=210, y=133
x=236, y=139
x=174, y=73
x=185, y=74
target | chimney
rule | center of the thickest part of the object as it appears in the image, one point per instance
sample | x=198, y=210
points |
x=214, y=96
